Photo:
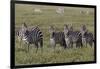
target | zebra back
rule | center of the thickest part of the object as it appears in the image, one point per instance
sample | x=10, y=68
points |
x=58, y=36
x=37, y=34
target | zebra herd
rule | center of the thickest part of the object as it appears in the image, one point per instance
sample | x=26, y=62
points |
x=66, y=38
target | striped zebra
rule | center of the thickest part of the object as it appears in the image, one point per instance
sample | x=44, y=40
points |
x=72, y=37
x=56, y=37
x=87, y=37
x=33, y=36
x=68, y=39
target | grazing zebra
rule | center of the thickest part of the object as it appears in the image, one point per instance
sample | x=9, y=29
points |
x=60, y=10
x=37, y=10
x=87, y=37
x=56, y=37
x=72, y=37
x=33, y=36
x=84, y=12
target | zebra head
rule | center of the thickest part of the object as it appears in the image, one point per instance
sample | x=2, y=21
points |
x=51, y=31
x=66, y=30
x=24, y=25
x=24, y=31
x=83, y=30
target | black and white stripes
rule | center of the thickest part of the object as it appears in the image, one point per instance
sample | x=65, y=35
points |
x=66, y=38
x=56, y=37
x=72, y=37
x=87, y=37
x=32, y=36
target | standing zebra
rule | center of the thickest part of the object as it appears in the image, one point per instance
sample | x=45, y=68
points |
x=68, y=39
x=33, y=36
x=56, y=37
x=87, y=37
x=72, y=37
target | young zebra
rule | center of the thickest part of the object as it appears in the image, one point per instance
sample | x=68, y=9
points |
x=33, y=36
x=87, y=37
x=72, y=37
x=56, y=37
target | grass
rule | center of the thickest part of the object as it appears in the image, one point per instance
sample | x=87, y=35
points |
x=48, y=16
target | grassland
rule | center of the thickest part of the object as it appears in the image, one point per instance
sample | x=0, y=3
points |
x=48, y=16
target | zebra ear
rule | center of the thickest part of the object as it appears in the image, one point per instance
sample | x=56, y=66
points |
x=71, y=28
x=83, y=27
x=65, y=26
x=24, y=25
x=66, y=29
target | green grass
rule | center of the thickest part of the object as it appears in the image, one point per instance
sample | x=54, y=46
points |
x=25, y=13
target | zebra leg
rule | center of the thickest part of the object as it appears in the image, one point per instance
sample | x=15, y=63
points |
x=20, y=45
x=63, y=43
x=52, y=43
x=90, y=43
x=54, y=47
x=71, y=44
x=28, y=47
x=20, y=40
x=81, y=44
x=86, y=43
x=67, y=42
x=36, y=44
x=41, y=44
x=77, y=44
x=25, y=45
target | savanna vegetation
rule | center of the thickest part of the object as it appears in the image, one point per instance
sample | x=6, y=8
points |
x=46, y=17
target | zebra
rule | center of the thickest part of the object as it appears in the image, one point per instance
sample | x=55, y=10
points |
x=84, y=12
x=60, y=10
x=56, y=37
x=37, y=10
x=68, y=39
x=72, y=37
x=87, y=37
x=33, y=36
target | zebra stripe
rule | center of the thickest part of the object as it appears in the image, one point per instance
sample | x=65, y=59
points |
x=37, y=34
